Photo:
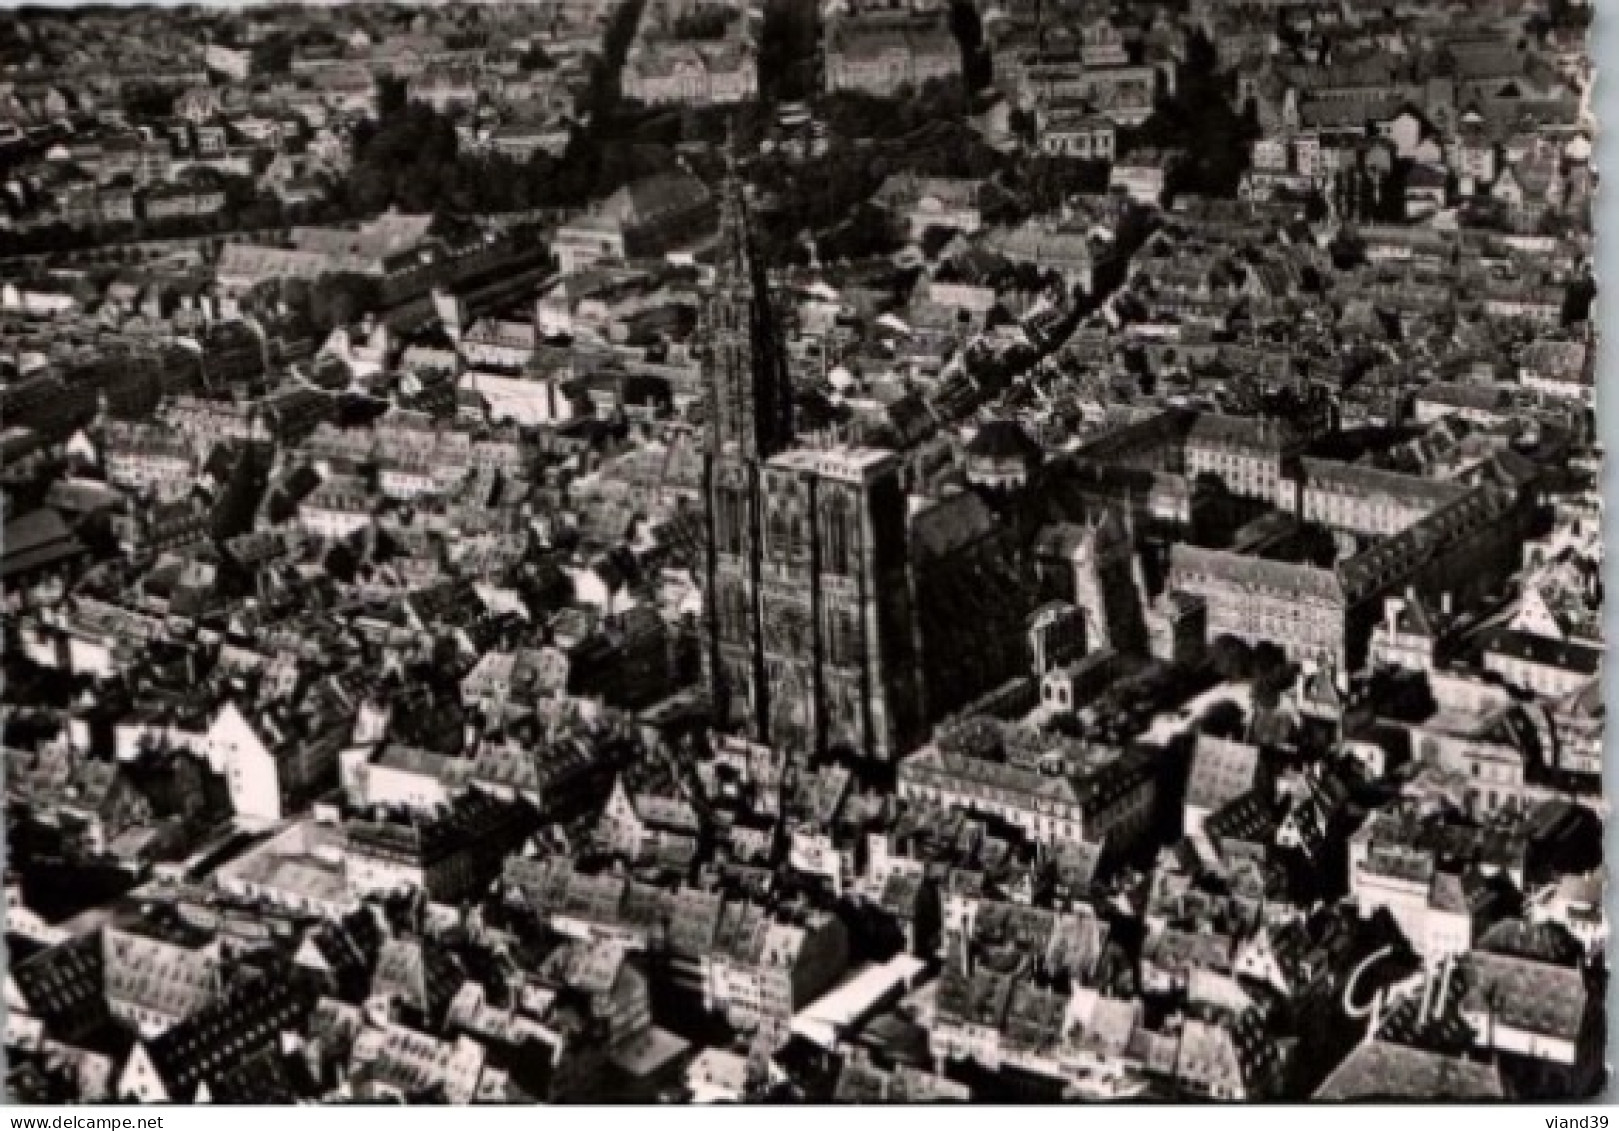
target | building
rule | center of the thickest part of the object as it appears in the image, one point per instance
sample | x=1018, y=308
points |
x=1064, y=248
x=1536, y=1013
x=232, y=62
x=1109, y=804
x=147, y=458
x=755, y=964
x=1075, y=132
x=1364, y=500
x=1298, y=607
x=932, y=202
x=446, y=854
x=398, y=250
x=278, y=760
x=808, y=614
x=1457, y=551
x=205, y=1059
x=886, y=57
x=1386, y=1071
x=1245, y=453
x=1144, y=176
x=1541, y=664
x=1431, y=878
x=499, y=343
x=157, y=975
x=692, y=74
x=641, y=220
x=762, y=970
x=1222, y=771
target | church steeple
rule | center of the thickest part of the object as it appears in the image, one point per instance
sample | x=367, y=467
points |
x=748, y=395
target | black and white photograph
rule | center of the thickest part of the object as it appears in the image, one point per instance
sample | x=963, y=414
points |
x=802, y=553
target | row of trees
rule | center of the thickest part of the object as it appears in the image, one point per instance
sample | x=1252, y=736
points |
x=1264, y=665
x=789, y=38
x=410, y=157
x=1201, y=120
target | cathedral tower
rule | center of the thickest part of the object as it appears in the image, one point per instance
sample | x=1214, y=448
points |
x=809, y=619
x=748, y=405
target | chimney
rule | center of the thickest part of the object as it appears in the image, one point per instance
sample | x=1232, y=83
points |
x=1438, y=980
x=1443, y=986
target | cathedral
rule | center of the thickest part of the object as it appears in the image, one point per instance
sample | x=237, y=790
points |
x=810, y=637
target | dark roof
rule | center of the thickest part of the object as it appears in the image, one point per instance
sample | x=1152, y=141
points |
x=262, y=1078
x=1540, y=942
x=957, y=521
x=211, y=1045
x=1544, y=650
x=36, y=539
x=1003, y=439
x=63, y=985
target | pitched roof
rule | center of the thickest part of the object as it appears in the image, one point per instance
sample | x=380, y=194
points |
x=1221, y=771
x=244, y=1023
x=1543, y=650
x=1256, y=573
x=418, y=973
x=653, y=199
x=62, y=985
x=174, y=975
x=1378, y=1070
x=1538, y=997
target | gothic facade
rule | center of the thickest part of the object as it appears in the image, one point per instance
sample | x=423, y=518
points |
x=811, y=643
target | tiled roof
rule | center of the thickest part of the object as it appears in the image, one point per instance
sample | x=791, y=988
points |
x=62, y=986
x=1378, y=1070
x=1543, y=650
x=1221, y=770
x=1254, y=573
x=245, y=1023
x=1539, y=997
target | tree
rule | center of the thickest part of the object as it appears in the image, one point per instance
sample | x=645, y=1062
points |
x=1231, y=658
x=787, y=46
x=867, y=234
x=1577, y=300
x=1272, y=673
x=1224, y=719
x=338, y=299
x=535, y=59
x=1347, y=249
x=145, y=101
x=968, y=30
x=975, y=737
x=233, y=512
x=341, y=562
x=273, y=56
x=1199, y=119
x=704, y=22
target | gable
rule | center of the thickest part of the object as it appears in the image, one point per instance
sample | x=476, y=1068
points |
x=231, y=734
x=140, y=1079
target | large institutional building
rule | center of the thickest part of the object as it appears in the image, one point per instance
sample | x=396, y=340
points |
x=1446, y=539
x=810, y=631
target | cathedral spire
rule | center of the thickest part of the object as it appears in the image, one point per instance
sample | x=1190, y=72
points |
x=745, y=379
x=735, y=261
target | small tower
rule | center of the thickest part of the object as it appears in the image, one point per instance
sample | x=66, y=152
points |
x=1105, y=585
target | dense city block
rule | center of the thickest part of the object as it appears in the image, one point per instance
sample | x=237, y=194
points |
x=866, y=551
